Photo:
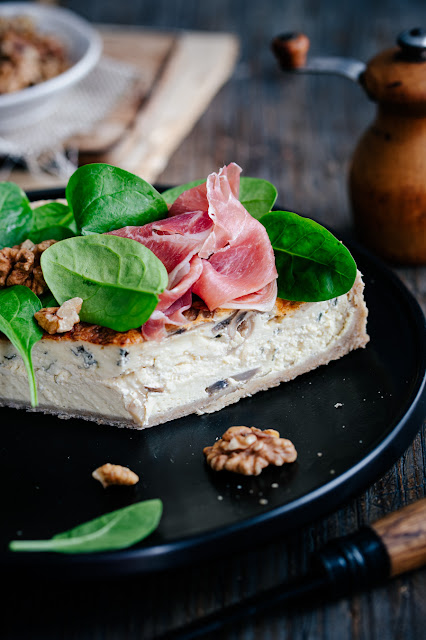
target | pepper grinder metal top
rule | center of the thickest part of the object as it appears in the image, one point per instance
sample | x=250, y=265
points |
x=413, y=42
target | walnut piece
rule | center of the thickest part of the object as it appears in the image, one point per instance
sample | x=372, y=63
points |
x=110, y=474
x=27, y=56
x=21, y=265
x=60, y=319
x=248, y=450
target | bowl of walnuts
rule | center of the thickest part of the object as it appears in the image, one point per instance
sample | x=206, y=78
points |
x=44, y=51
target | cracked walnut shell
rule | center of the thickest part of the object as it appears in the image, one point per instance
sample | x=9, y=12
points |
x=110, y=474
x=248, y=450
x=60, y=319
x=21, y=265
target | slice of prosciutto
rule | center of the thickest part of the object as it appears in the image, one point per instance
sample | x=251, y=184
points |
x=176, y=242
x=210, y=246
x=238, y=255
x=195, y=199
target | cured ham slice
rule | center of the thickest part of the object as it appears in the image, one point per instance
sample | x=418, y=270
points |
x=173, y=302
x=262, y=300
x=195, y=199
x=169, y=296
x=174, y=241
x=210, y=246
x=154, y=328
x=239, y=256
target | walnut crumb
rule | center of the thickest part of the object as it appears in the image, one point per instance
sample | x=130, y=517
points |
x=60, y=319
x=110, y=474
x=21, y=265
x=248, y=450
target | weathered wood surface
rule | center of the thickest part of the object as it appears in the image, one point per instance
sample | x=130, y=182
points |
x=146, y=51
x=299, y=133
x=198, y=65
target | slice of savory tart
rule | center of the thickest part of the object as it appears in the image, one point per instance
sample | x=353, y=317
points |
x=176, y=315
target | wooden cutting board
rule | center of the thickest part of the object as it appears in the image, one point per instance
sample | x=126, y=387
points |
x=179, y=74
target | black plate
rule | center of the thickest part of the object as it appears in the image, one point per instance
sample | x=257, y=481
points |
x=350, y=421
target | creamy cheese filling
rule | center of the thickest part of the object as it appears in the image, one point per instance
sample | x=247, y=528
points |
x=144, y=381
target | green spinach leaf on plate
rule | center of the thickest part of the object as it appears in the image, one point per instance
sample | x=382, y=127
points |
x=118, y=278
x=312, y=264
x=116, y=530
x=257, y=196
x=48, y=300
x=16, y=215
x=105, y=198
x=170, y=195
x=52, y=221
x=18, y=305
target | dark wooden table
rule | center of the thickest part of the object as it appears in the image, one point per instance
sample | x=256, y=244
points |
x=299, y=133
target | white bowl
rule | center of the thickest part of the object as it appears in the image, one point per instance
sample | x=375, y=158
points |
x=83, y=45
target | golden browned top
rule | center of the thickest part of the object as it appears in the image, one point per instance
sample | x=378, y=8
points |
x=283, y=307
x=199, y=313
x=95, y=334
x=196, y=315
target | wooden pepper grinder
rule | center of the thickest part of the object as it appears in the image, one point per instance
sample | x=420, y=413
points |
x=387, y=179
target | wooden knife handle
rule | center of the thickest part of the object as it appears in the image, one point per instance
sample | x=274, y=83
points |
x=404, y=535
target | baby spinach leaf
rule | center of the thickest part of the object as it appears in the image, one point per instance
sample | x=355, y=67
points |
x=312, y=264
x=256, y=195
x=52, y=221
x=16, y=216
x=171, y=194
x=18, y=305
x=48, y=300
x=116, y=530
x=117, y=278
x=104, y=198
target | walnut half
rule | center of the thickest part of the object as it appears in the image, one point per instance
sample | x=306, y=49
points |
x=60, y=319
x=110, y=474
x=248, y=450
